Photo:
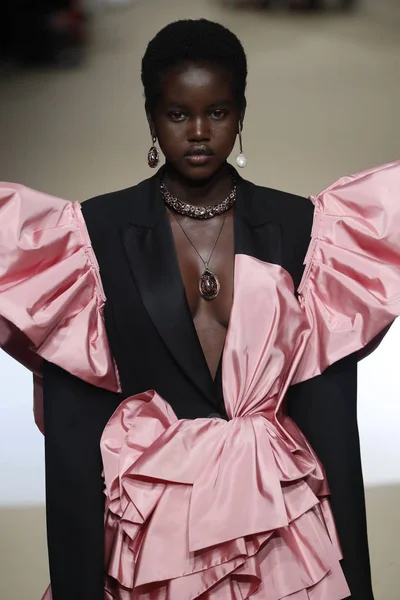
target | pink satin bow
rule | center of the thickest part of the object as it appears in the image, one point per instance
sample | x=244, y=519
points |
x=191, y=502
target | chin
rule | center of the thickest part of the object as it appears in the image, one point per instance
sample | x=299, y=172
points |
x=200, y=173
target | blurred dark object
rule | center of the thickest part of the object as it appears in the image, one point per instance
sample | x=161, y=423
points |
x=299, y=5
x=321, y=4
x=43, y=32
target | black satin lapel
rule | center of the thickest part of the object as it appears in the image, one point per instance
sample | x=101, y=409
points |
x=153, y=261
x=256, y=232
x=245, y=241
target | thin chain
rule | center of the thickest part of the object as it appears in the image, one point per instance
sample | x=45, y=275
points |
x=192, y=244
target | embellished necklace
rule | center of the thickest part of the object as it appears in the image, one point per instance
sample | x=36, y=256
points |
x=209, y=285
x=197, y=212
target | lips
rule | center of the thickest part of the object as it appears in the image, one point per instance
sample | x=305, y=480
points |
x=199, y=151
x=199, y=156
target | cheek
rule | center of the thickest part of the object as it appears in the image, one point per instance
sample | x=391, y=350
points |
x=225, y=134
x=171, y=138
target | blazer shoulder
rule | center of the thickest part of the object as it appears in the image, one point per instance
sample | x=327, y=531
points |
x=293, y=212
x=113, y=206
x=280, y=202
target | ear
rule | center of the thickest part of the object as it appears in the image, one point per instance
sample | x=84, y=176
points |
x=242, y=113
x=151, y=123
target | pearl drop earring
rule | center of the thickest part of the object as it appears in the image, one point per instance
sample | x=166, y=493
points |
x=241, y=159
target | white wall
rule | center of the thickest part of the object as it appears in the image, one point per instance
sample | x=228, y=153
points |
x=379, y=411
x=21, y=445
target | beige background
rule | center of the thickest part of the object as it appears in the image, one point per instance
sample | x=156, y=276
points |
x=324, y=98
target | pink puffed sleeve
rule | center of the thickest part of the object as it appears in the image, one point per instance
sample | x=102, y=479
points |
x=351, y=286
x=51, y=295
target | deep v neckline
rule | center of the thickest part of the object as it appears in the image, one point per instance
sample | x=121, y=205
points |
x=218, y=372
x=151, y=253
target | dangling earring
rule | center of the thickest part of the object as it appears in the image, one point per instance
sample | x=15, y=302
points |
x=153, y=157
x=241, y=159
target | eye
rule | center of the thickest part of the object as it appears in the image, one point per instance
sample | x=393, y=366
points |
x=218, y=114
x=177, y=116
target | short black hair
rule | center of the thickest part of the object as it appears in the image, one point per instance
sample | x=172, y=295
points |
x=193, y=41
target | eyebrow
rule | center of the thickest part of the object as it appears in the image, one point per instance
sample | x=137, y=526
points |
x=221, y=103
x=213, y=105
x=177, y=105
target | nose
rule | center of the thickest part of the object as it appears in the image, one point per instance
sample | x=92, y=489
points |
x=200, y=130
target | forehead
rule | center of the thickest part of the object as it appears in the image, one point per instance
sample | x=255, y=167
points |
x=193, y=83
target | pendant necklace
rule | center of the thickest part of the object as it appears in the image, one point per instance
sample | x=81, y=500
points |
x=209, y=285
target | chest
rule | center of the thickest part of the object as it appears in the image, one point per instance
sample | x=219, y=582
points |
x=202, y=245
x=155, y=316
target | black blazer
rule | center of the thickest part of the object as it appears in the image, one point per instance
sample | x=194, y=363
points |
x=154, y=343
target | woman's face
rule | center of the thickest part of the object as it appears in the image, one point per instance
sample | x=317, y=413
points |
x=196, y=120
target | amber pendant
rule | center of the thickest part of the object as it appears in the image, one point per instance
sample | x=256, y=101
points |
x=209, y=285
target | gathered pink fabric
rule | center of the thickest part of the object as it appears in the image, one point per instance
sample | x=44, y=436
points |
x=50, y=288
x=351, y=286
x=208, y=508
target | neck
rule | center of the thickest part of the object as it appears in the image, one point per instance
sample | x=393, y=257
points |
x=202, y=192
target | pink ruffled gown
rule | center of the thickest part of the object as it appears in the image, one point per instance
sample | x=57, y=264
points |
x=246, y=514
